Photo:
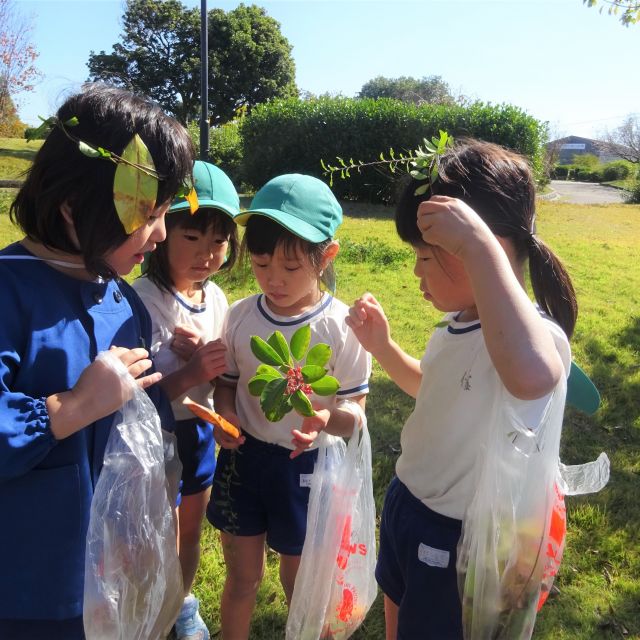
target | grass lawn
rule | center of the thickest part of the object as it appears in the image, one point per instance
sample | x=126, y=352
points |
x=599, y=581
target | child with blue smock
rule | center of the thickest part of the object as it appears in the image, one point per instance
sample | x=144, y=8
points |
x=64, y=302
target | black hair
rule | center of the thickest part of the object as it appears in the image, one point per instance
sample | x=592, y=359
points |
x=262, y=236
x=108, y=117
x=158, y=269
x=498, y=185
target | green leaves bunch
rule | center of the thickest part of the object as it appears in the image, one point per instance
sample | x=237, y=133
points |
x=289, y=373
x=423, y=163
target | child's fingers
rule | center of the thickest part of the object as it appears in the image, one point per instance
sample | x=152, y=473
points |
x=147, y=381
x=187, y=331
x=301, y=441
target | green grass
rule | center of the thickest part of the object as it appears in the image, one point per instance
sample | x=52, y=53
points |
x=599, y=580
x=16, y=156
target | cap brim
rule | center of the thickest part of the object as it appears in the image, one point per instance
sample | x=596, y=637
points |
x=581, y=392
x=298, y=227
x=210, y=204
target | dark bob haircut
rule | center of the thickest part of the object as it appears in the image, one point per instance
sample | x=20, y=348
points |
x=107, y=117
x=158, y=269
x=263, y=235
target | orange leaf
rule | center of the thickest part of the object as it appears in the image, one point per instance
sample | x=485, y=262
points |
x=211, y=416
x=192, y=199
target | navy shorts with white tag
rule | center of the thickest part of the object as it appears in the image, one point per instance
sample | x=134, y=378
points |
x=258, y=489
x=197, y=452
x=416, y=566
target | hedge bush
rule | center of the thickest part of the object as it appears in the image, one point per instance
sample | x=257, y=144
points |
x=225, y=148
x=292, y=135
x=608, y=172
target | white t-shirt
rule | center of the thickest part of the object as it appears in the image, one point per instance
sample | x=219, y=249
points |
x=349, y=362
x=170, y=309
x=444, y=436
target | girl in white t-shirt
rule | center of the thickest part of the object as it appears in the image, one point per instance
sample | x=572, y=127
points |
x=187, y=312
x=473, y=234
x=262, y=479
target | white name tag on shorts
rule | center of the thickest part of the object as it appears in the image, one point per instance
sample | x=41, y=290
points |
x=305, y=479
x=433, y=557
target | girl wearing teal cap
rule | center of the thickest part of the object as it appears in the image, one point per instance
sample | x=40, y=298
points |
x=187, y=310
x=262, y=479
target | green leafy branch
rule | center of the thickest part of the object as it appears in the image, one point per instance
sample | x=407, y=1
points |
x=134, y=194
x=92, y=151
x=289, y=373
x=423, y=163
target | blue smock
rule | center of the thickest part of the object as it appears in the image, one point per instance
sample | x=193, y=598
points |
x=52, y=328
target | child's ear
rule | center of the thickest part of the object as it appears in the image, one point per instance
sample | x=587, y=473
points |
x=66, y=212
x=330, y=252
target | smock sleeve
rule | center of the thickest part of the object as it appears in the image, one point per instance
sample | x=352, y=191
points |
x=25, y=433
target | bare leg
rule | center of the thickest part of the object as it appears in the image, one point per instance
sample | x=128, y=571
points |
x=190, y=514
x=390, y=618
x=288, y=571
x=244, y=557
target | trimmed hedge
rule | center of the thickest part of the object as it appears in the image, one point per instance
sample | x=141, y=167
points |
x=608, y=172
x=292, y=136
x=225, y=148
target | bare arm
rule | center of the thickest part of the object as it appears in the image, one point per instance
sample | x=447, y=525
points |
x=370, y=325
x=520, y=346
x=336, y=422
x=206, y=363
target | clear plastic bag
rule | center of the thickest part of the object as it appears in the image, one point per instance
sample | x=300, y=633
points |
x=513, y=532
x=335, y=585
x=133, y=581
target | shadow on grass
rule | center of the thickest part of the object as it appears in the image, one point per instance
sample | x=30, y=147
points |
x=20, y=154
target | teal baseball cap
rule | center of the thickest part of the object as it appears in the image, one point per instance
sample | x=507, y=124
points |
x=302, y=204
x=214, y=189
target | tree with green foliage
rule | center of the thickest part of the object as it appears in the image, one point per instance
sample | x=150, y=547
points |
x=426, y=90
x=628, y=11
x=159, y=55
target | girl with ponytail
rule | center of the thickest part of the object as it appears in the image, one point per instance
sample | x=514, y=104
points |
x=473, y=234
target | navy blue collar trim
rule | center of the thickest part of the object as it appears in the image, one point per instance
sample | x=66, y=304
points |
x=471, y=327
x=289, y=323
x=187, y=306
x=362, y=387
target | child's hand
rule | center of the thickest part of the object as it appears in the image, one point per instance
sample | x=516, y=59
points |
x=207, y=362
x=304, y=437
x=452, y=225
x=185, y=341
x=102, y=391
x=368, y=321
x=225, y=440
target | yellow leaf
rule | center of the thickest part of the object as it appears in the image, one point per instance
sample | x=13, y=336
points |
x=192, y=199
x=134, y=190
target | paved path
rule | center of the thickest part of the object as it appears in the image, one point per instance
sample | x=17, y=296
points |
x=585, y=192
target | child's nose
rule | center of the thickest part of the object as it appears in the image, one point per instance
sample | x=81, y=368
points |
x=159, y=233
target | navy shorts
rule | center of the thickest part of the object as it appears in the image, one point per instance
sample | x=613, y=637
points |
x=416, y=566
x=197, y=452
x=71, y=629
x=258, y=489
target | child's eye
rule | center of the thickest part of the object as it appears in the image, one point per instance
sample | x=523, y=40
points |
x=190, y=237
x=291, y=268
x=222, y=240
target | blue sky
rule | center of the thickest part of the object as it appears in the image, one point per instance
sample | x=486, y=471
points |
x=556, y=59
